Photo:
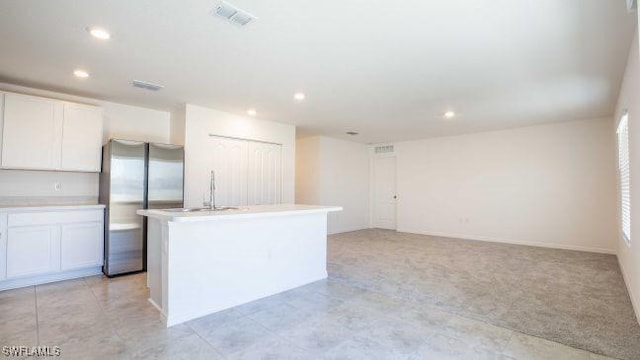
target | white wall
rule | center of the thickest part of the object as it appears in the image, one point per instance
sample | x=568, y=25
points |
x=309, y=171
x=135, y=123
x=334, y=172
x=177, y=125
x=18, y=187
x=629, y=99
x=548, y=185
x=200, y=122
x=120, y=121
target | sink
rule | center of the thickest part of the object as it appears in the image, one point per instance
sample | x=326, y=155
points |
x=185, y=210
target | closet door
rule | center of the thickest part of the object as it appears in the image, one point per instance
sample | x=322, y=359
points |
x=264, y=173
x=230, y=166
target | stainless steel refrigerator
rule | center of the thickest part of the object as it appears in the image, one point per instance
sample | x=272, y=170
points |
x=136, y=175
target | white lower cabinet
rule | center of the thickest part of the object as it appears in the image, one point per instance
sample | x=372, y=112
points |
x=81, y=246
x=44, y=246
x=33, y=250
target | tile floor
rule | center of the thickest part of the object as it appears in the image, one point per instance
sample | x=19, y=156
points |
x=99, y=318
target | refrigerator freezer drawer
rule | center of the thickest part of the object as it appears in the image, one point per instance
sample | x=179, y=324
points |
x=125, y=252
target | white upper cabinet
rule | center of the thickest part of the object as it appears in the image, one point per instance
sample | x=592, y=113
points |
x=81, y=138
x=32, y=132
x=46, y=134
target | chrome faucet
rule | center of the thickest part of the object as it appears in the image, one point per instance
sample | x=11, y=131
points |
x=212, y=189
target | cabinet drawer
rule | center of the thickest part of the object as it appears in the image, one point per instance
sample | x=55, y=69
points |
x=54, y=218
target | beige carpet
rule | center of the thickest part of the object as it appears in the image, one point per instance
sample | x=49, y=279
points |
x=571, y=297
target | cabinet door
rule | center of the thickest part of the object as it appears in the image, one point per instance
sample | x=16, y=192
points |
x=230, y=166
x=81, y=138
x=33, y=250
x=81, y=245
x=31, y=132
x=264, y=173
x=3, y=246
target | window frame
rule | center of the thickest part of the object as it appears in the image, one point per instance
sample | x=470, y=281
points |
x=624, y=175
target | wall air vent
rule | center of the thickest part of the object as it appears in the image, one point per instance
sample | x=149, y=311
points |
x=147, y=85
x=383, y=149
x=233, y=14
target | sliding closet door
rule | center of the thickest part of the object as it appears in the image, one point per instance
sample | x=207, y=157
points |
x=265, y=173
x=230, y=166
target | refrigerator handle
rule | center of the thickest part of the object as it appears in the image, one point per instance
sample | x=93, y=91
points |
x=145, y=201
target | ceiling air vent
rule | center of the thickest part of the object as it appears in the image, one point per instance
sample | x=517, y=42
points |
x=233, y=14
x=147, y=85
x=383, y=149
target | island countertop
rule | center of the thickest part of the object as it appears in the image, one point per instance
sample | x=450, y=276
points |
x=242, y=212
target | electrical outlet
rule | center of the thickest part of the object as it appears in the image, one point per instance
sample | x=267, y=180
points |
x=57, y=186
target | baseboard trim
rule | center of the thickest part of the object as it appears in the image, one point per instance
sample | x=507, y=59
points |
x=155, y=305
x=44, y=279
x=508, y=241
x=350, y=229
x=634, y=303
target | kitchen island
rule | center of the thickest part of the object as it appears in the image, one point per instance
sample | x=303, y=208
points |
x=201, y=262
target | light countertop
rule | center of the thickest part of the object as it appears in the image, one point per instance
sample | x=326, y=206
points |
x=241, y=213
x=14, y=208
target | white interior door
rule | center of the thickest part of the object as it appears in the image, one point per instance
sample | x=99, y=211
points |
x=265, y=173
x=229, y=161
x=384, y=192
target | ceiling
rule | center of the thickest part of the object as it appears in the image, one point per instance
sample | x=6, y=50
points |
x=388, y=70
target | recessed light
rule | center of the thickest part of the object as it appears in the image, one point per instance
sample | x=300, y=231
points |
x=299, y=96
x=449, y=115
x=81, y=74
x=99, y=33
x=252, y=112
